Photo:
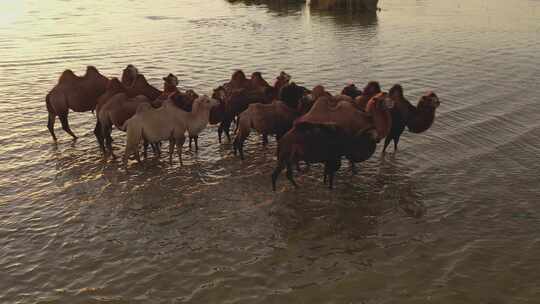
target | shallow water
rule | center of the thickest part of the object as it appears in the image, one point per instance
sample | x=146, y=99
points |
x=452, y=217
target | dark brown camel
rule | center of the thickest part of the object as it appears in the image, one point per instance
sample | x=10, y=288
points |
x=320, y=143
x=234, y=97
x=80, y=94
x=139, y=86
x=417, y=119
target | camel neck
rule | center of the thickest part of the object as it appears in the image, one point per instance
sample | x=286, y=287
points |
x=421, y=119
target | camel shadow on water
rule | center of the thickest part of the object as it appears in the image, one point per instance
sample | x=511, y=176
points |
x=382, y=193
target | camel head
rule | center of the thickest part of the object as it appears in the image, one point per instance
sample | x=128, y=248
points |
x=282, y=80
x=351, y=90
x=129, y=74
x=284, y=76
x=372, y=88
x=171, y=80
x=430, y=100
x=219, y=93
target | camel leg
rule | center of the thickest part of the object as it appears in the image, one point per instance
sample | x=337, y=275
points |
x=227, y=129
x=196, y=138
x=65, y=125
x=156, y=148
x=126, y=155
x=331, y=180
x=239, y=140
x=290, y=175
x=145, y=148
x=387, y=141
x=137, y=155
x=330, y=169
x=109, y=141
x=50, y=125
x=235, y=144
x=190, y=139
x=171, y=149
x=396, y=141
x=353, y=167
x=99, y=136
x=265, y=139
x=276, y=173
x=220, y=131
x=241, y=149
x=179, y=144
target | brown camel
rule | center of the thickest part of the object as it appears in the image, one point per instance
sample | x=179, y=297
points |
x=139, y=86
x=275, y=118
x=79, y=94
x=235, y=96
x=417, y=119
x=347, y=117
x=118, y=108
x=323, y=143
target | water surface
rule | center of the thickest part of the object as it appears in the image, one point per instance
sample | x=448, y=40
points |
x=452, y=217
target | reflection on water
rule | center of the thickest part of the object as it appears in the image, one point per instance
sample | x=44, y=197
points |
x=447, y=218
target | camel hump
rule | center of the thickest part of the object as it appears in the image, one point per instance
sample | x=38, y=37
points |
x=396, y=91
x=67, y=76
x=372, y=88
x=91, y=68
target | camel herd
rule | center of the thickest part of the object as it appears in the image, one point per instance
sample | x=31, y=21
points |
x=312, y=126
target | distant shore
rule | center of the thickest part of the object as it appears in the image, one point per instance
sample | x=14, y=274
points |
x=356, y=5
x=359, y=5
